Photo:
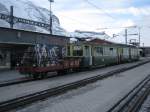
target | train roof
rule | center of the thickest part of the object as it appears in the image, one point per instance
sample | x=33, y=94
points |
x=106, y=42
x=97, y=41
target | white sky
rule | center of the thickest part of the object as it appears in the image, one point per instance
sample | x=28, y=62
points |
x=80, y=15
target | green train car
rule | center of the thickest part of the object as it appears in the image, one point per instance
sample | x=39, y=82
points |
x=75, y=56
x=98, y=53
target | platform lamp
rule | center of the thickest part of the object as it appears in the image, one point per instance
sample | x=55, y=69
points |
x=51, y=22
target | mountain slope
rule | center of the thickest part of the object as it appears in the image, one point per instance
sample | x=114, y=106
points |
x=26, y=9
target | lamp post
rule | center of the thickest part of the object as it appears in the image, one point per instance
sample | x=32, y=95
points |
x=126, y=36
x=51, y=21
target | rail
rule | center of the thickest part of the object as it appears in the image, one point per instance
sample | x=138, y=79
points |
x=134, y=99
x=26, y=80
x=24, y=100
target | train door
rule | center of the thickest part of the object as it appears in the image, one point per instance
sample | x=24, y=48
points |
x=88, y=54
x=130, y=54
x=119, y=54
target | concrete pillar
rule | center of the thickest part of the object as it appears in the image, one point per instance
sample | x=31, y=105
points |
x=8, y=62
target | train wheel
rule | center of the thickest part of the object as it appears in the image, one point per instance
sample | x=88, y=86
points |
x=35, y=76
x=43, y=75
x=62, y=72
x=30, y=75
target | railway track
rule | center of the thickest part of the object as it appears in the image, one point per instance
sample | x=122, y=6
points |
x=146, y=105
x=134, y=99
x=20, y=81
x=26, y=80
x=15, y=81
x=24, y=100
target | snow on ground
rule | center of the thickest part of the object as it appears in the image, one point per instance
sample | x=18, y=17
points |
x=31, y=87
x=96, y=97
x=146, y=105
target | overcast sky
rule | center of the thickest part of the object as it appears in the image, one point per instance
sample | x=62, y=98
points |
x=92, y=15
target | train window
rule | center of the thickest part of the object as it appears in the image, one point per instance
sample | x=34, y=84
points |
x=111, y=49
x=125, y=51
x=77, y=51
x=99, y=50
x=87, y=51
x=106, y=52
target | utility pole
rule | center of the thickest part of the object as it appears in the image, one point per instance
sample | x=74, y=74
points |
x=139, y=36
x=51, y=21
x=126, y=36
x=11, y=17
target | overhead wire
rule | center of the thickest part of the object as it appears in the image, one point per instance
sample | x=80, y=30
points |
x=95, y=6
x=106, y=13
x=134, y=26
x=77, y=21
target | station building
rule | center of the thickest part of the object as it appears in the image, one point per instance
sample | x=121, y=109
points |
x=13, y=44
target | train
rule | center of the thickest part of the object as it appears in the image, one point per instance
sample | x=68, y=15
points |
x=40, y=59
